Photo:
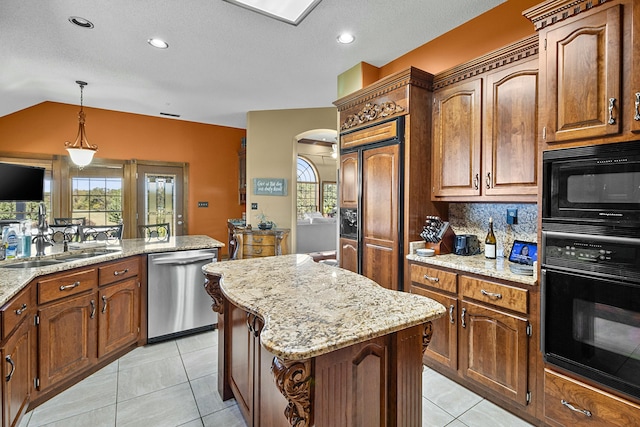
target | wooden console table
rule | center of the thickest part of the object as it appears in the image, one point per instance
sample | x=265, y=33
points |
x=256, y=243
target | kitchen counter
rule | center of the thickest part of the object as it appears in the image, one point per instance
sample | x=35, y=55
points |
x=12, y=280
x=311, y=308
x=304, y=329
x=497, y=268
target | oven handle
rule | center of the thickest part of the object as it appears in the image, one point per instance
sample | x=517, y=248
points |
x=624, y=240
x=543, y=303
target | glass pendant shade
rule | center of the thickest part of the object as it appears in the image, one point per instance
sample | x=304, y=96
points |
x=81, y=152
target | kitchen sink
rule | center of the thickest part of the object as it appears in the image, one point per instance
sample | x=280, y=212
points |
x=33, y=263
x=84, y=255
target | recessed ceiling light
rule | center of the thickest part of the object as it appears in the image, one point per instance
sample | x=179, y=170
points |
x=346, y=38
x=159, y=43
x=80, y=22
x=289, y=11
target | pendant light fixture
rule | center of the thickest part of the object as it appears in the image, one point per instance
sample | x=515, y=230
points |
x=81, y=152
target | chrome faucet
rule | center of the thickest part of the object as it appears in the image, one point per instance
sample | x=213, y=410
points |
x=42, y=239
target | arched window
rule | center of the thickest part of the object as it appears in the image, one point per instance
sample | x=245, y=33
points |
x=307, y=197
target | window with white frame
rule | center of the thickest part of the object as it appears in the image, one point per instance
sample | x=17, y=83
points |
x=307, y=188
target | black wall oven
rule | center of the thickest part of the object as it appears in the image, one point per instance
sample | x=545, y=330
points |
x=591, y=307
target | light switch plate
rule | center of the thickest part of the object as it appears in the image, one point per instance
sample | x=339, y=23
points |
x=512, y=216
x=254, y=206
x=203, y=204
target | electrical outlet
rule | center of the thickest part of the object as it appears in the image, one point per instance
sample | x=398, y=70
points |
x=203, y=204
x=512, y=216
x=254, y=206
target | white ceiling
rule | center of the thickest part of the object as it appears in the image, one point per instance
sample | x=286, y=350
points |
x=222, y=60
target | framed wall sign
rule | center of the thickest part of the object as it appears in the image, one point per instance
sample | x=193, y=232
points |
x=270, y=186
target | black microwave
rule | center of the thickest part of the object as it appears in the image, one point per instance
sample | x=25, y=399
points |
x=597, y=185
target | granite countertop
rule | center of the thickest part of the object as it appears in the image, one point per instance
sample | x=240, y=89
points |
x=311, y=308
x=497, y=268
x=12, y=280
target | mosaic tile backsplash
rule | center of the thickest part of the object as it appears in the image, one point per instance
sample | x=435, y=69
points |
x=473, y=218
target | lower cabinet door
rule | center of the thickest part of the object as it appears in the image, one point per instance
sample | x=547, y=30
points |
x=349, y=255
x=241, y=342
x=493, y=350
x=443, y=347
x=119, y=317
x=17, y=373
x=67, y=338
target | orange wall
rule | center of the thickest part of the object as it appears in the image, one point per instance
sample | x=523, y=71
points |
x=211, y=151
x=494, y=29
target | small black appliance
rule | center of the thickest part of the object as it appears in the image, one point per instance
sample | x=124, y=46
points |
x=466, y=244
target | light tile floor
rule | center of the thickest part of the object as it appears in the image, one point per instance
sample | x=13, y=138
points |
x=174, y=384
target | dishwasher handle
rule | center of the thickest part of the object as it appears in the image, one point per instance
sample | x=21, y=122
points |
x=173, y=260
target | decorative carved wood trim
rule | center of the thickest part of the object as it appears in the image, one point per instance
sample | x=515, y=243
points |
x=293, y=379
x=411, y=76
x=371, y=112
x=548, y=14
x=523, y=50
x=427, y=333
x=212, y=286
x=255, y=324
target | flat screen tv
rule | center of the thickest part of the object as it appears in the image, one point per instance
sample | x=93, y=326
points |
x=21, y=183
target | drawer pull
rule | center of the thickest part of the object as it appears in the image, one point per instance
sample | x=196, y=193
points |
x=464, y=311
x=121, y=272
x=612, y=119
x=636, y=116
x=71, y=286
x=490, y=294
x=451, y=310
x=257, y=239
x=13, y=367
x=476, y=181
x=431, y=279
x=93, y=309
x=104, y=301
x=21, y=309
x=488, y=180
x=573, y=408
x=257, y=251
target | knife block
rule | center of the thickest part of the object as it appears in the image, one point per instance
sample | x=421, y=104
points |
x=445, y=245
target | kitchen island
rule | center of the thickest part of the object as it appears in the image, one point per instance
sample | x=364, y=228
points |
x=302, y=343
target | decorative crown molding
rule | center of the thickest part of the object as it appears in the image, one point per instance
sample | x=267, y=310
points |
x=371, y=112
x=523, y=50
x=549, y=13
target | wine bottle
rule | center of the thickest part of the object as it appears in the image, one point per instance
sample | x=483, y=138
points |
x=490, y=242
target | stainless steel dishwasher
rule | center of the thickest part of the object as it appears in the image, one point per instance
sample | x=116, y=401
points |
x=177, y=303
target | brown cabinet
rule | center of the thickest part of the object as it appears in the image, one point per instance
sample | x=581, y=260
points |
x=484, y=127
x=385, y=143
x=349, y=254
x=349, y=180
x=379, y=216
x=119, y=318
x=590, y=89
x=18, y=352
x=485, y=340
x=457, y=132
x=569, y=402
x=67, y=336
x=254, y=243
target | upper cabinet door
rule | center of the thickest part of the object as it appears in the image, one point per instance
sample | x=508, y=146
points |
x=583, y=86
x=509, y=140
x=457, y=132
x=349, y=180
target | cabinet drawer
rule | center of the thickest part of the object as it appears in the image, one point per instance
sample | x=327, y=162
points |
x=381, y=132
x=605, y=409
x=258, y=251
x=435, y=278
x=64, y=285
x=495, y=293
x=257, y=240
x=17, y=309
x=118, y=270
